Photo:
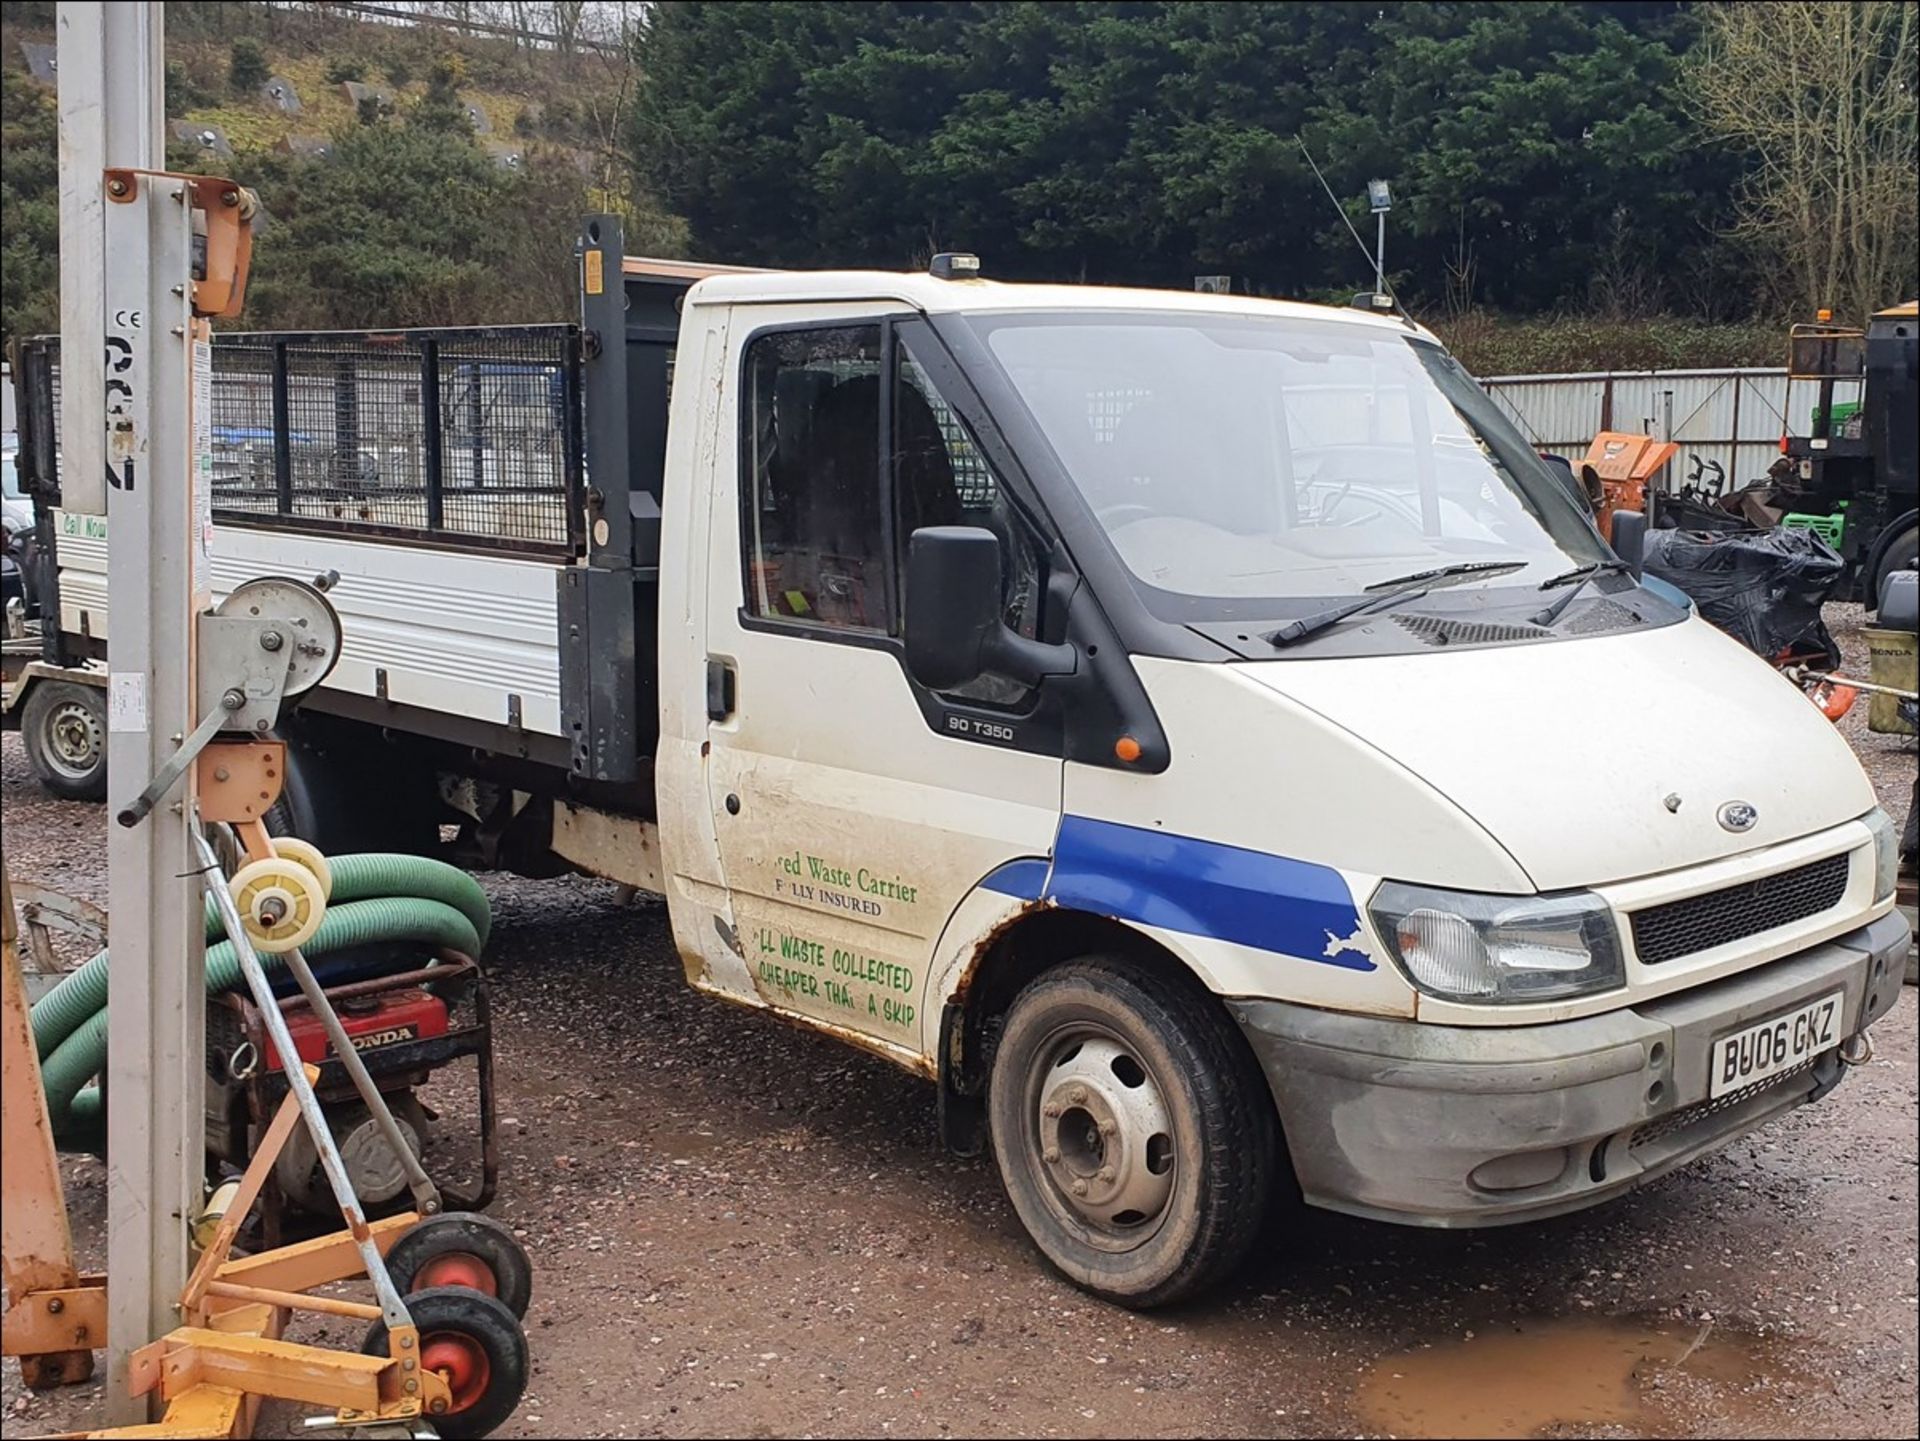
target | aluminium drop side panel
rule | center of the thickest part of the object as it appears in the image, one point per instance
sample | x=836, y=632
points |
x=460, y=633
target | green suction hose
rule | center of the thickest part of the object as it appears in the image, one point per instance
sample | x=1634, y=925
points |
x=375, y=898
x=355, y=878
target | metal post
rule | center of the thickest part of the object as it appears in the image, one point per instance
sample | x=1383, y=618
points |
x=130, y=437
x=1380, y=255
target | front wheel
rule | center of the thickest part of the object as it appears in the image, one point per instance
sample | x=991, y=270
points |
x=1136, y=1137
x=64, y=726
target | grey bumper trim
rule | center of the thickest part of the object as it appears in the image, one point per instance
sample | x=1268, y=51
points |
x=1474, y=1126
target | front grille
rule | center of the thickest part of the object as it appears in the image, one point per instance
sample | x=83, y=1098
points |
x=1699, y=923
x=1686, y=1116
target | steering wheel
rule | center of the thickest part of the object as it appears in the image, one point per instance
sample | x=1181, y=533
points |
x=1109, y=516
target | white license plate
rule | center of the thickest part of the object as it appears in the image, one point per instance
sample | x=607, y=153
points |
x=1777, y=1044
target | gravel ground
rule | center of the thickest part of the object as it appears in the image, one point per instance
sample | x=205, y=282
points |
x=740, y=1228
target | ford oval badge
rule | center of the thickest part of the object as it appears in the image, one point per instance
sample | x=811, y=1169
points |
x=1738, y=816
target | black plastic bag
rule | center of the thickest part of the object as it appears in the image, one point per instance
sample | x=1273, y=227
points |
x=1762, y=587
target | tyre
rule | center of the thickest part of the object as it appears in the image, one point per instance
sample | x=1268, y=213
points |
x=1902, y=554
x=64, y=726
x=459, y=1248
x=475, y=1343
x=1134, y=1133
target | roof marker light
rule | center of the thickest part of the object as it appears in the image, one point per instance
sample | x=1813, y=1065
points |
x=954, y=265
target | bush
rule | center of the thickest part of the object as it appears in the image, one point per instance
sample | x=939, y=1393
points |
x=247, y=68
x=399, y=73
x=345, y=69
x=1487, y=344
x=183, y=92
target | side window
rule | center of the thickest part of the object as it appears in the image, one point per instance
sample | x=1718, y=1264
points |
x=941, y=477
x=817, y=545
x=813, y=504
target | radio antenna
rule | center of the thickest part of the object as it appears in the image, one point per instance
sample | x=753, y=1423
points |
x=1340, y=210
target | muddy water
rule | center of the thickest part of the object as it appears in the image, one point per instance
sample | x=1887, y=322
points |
x=1574, y=1376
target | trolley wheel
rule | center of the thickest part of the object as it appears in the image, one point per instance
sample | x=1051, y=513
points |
x=460, y=1248
x=306, y=853
x=476, y=1345
x=280, y=903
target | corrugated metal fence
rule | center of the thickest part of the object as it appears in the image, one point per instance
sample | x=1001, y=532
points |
x=1728, y=423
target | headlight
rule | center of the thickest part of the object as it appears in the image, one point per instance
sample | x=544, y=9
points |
x=1469, y=947
x=1886, y=852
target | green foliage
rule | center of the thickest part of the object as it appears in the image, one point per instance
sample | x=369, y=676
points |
x=184, y=93
x=1532, y=145
x=408, y=224
x=399, y=73
x=30, y=200
x=440, y=108
x=1492, y=345
x=247, y=68
x=346, y=68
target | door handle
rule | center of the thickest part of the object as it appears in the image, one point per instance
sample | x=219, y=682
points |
x=721, y=686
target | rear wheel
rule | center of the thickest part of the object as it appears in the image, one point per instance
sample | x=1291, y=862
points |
x=64, y=726
x=1134, y=1133
x=1902, y=554
x=475, y=1345
x=459, y=1248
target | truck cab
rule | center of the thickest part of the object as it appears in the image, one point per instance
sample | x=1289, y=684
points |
x=1199, y=733
x=1194, y=732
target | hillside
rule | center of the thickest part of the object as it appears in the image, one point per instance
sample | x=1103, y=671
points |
x=409, y=174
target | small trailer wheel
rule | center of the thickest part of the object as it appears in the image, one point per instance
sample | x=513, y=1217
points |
x=460, y=1248
x=280, y=903
x=306, y=853
x=475, y=1344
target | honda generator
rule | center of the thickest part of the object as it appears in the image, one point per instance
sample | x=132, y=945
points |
x=405, y=1026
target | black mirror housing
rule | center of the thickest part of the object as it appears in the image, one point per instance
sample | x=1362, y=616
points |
x=1630, y=538
x=954, y=630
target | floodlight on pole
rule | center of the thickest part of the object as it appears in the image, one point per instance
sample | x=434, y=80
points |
x=1379, y=201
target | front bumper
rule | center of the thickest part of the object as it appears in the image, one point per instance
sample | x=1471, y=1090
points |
x=1481, y=1125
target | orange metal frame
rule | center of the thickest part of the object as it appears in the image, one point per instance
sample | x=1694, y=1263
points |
x=227, y=1355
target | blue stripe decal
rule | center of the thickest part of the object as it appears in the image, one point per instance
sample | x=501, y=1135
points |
x=1023, y=880
x=1200, y=888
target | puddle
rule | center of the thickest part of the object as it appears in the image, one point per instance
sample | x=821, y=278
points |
x=1551, y=1377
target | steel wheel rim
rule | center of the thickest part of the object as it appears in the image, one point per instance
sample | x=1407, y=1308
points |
x=462, y=1363
x=457, y=1268
x=72, y=735
x=1100, y=1137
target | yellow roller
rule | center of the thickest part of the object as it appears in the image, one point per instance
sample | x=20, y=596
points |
x=281, y=903
x=306, y=853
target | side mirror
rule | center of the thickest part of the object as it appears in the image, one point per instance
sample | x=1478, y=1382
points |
x=1630, y=538
x=954, y=631
x=1562, y=470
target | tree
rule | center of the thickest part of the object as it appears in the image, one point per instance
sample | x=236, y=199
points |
x=30, y=200
x=1531, y=144
x=247, y=68
x=1822, y=97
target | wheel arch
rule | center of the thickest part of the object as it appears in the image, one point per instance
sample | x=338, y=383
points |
x=1020, y=940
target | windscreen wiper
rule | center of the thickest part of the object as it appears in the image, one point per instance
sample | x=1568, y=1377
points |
x=1386, y=592
x=1578, y=578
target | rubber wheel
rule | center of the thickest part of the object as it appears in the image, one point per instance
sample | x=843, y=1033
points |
x=477, y=1344
x=460, y=1248
x=1134, y=1132
x=1903, y=554
x=64, y=726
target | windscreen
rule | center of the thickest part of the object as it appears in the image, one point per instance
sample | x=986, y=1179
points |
x=1233, y=458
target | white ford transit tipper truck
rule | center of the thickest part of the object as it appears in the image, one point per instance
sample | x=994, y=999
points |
x=1195, y=732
